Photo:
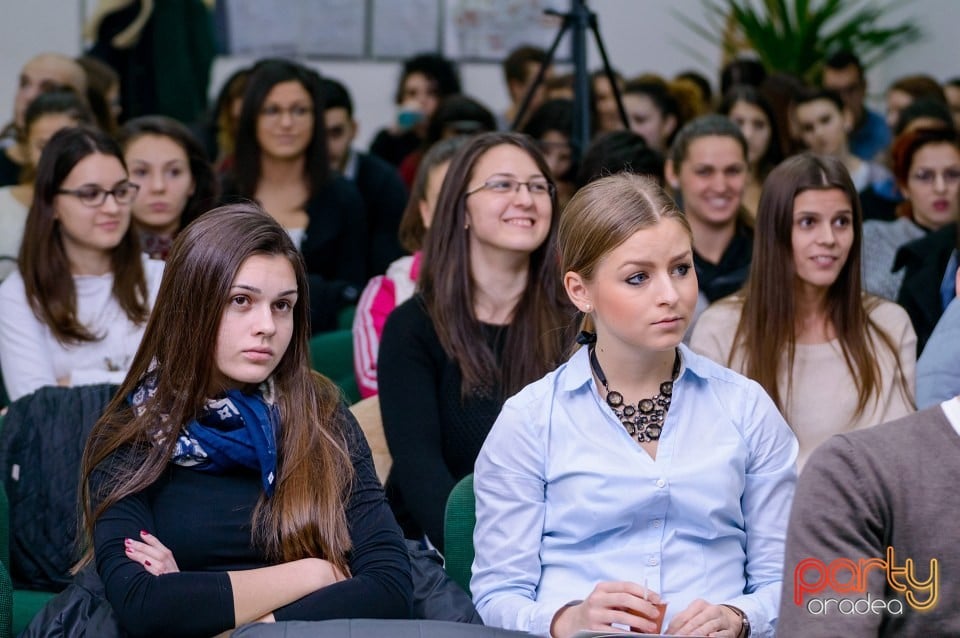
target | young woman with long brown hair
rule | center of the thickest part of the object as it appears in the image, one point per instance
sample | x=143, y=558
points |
x=226, y=483
x=75, y=310
x=486, y=321
x=831, y=358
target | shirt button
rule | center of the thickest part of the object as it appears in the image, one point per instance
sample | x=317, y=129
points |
x=661, y=482
x=657, y=523
x=652, y=561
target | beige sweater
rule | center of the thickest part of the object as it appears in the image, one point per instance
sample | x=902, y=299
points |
x=822, y=398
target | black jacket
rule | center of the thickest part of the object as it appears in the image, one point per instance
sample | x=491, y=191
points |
x=925, y=260
x=41, y=445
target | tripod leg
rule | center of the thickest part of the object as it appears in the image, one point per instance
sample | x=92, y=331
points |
x=608, y=71
x=538, y=80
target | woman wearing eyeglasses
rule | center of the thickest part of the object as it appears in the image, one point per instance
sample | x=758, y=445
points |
x=487, y=320
x=926, y=165
x=281, y=162
x=75, y=311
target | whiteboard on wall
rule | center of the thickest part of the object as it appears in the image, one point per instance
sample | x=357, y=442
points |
x=403, y=28
x=474, y=30
x=487, y=30
x=297, y=28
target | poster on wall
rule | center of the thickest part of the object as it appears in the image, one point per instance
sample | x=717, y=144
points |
x=404, y=28
x=303, y=28
x=487, y=30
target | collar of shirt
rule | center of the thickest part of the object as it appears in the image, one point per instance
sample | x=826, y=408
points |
x=350, y=168
x=578, y=372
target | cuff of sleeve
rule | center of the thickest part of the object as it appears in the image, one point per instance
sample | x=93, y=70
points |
x=760, y=622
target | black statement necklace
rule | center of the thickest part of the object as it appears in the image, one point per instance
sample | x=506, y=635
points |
x=644, y=422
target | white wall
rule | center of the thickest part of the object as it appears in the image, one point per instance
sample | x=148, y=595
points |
x=640, y=35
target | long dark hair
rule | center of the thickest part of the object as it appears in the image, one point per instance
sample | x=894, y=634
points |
x=767, y=329
x=204, y=179
x=305, y=516
x=535, y=337
x=43, y=261
x=263, y=77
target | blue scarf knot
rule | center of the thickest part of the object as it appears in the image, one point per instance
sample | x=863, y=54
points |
x=233, y=431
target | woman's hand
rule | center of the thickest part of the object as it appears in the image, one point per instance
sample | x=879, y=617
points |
x=151, y=553
x=624, y=603
x=703, y=619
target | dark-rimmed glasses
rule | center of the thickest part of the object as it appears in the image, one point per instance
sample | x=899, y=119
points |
x=505, y=185
x=94, y=196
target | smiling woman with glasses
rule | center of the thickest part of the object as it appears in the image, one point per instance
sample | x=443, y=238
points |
x=487, y=319
x=75, y=311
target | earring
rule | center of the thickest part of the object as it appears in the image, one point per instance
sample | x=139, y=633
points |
x=588, y=308
x=466, y=226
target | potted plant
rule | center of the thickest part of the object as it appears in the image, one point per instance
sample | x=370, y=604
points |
x=796, y=36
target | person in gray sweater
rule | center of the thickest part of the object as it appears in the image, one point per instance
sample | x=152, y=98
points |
x=867, y=550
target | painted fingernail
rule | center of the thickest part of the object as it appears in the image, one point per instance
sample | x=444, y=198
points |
x=127, y=541
x=147, y=563
x=144, y=532
x=129, y=550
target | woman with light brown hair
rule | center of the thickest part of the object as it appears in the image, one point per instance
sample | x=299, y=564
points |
x=639, y=484
x=226, y=483
x=832, y=359
x=488, y=319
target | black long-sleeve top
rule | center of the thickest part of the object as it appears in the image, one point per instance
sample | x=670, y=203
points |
x=335, y=241
x=205, y=520
x=434, y=436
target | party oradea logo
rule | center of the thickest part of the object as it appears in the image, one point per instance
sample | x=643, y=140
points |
x=834, y=587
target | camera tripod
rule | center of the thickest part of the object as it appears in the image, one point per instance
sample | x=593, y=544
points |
x=578, y=20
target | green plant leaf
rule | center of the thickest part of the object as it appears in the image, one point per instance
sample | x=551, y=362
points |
x=795, y=36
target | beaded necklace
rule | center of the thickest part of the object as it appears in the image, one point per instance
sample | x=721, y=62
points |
x=644, y=422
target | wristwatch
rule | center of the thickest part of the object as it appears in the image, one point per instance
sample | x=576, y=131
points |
x=744, y=621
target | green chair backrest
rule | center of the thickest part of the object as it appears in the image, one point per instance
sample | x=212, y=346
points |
x=6, y=603
x=331, y=354
x=458, y=524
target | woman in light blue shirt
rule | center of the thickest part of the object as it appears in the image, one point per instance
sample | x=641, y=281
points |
x=637, y=464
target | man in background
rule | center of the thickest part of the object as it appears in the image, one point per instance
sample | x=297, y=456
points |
x=383, y=192
x=520, y=68
x=843, y=74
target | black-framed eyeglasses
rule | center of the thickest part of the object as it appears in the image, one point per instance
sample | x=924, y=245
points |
x=93, y=195
x=506, y=185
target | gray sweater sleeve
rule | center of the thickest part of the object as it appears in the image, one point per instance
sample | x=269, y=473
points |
x=839, y=512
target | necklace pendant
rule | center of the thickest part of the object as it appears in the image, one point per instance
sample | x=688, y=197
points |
x=646, y=406
x=614, y=399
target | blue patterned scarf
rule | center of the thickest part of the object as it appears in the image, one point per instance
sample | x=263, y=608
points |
x=236, y=430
